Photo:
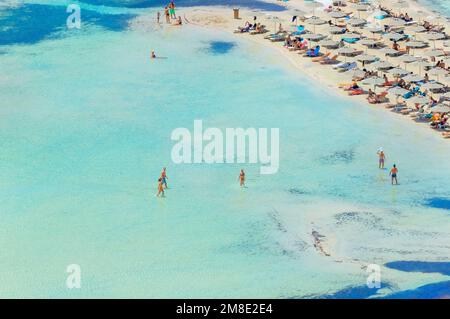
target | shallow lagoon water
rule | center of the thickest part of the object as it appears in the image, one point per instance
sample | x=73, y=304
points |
x=86, y=120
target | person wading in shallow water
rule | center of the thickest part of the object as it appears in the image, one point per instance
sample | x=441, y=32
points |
x=393, y=174
x=242, y=178
x=381, y=158
x=160, y=188
x=164, y=177
x=167, y=15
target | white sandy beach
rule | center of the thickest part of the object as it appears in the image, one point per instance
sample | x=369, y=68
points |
x=221, y=18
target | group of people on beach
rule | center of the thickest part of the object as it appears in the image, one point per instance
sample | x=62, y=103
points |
x=169, y=14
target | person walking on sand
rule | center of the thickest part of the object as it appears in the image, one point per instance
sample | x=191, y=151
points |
x=381, y=158
x=167, y=14
x=164, y=177
x=393, y=174
x=242, y=178
x=172, y=10
x=160, y=188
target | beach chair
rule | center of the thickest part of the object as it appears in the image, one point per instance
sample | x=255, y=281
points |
x=348, y=67
x=320, y=58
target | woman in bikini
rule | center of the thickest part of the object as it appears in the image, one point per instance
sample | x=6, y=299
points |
x=242, y=178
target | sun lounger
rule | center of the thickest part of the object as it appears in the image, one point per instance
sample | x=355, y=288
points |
x=320, y=58
x=348, y=67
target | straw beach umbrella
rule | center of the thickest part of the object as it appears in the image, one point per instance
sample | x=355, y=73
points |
x=329, y=43
x=440, y=108
x=407, y=59
x=274, y=19
x=433, y=53
x=432, y=86
x=373, y=81
x=398, y=72
x=416, y=29
x=419, y=99
x=336, y=30
x=337, y=14
x=397, y=91
x=355, y=22
x=394, y=36
x=438, y=72
x=314, y=37
x=413, y=78
x=315, y=21
x=346, y=51
x=382, y=65
x=433, y=36
x=366, y=58
x=390, y=52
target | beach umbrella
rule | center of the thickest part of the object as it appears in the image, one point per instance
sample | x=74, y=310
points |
x=314, y=37
x=347, y=51
x=390, y=51
x=438, y=72
x=368, y=42
x=433, y=53
x=415, y=44
x=336, y=30
x=440, y=108
x=315, y=21
x=416, y=29
x=413, y=78
x=419, y=99
x=447, y=95
x=366, y=58
x=399, y=5
x=373, y=81
x=355, y=22
x=423, y=64
x=350, y=36
x=394, y=22
x=313, y=5
x=432, y=86
x=382, y=65
x=397, y=91
x=357, y=73
x=375, y=29
x=446, y=43
x=398, y=72
x=407, y=58
x=329, y=43
x=394, y=36
x=433, y=36
x=337, y=14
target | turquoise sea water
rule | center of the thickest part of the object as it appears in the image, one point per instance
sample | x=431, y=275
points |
x=85, y=122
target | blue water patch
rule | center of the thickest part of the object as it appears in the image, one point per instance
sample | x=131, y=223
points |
x=252, y=4
x=220, y=47
x=358, y=292
x=431, y=291
x=421, y=266
x=31, y=23
x=438, y=202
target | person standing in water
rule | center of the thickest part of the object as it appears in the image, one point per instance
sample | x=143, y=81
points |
x=393, y=174
x=381, y=158
x=164, y=177
x=160, y=188
x=153, y=55
x=242, y=178
x=167, y=15
x=172, y=10
x=158, y=15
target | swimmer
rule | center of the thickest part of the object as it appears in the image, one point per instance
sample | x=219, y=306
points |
x=178, y=21
x=160, y=188
x=393, y=174
x=164, y=177
x=153, y=55
x=242, y=178
x=381, y=158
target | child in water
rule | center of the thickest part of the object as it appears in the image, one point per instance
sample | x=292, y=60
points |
x=393, y=174
x=160, y=188
x=242, y=178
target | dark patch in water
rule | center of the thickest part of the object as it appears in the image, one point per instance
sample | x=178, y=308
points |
x=220, y=47
x=252, y=4
x=296, y=191
x=358, y=292
x=421, y=266
x=345, y=156
x=430, y=291
x=438, y=202
x=31, y=23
